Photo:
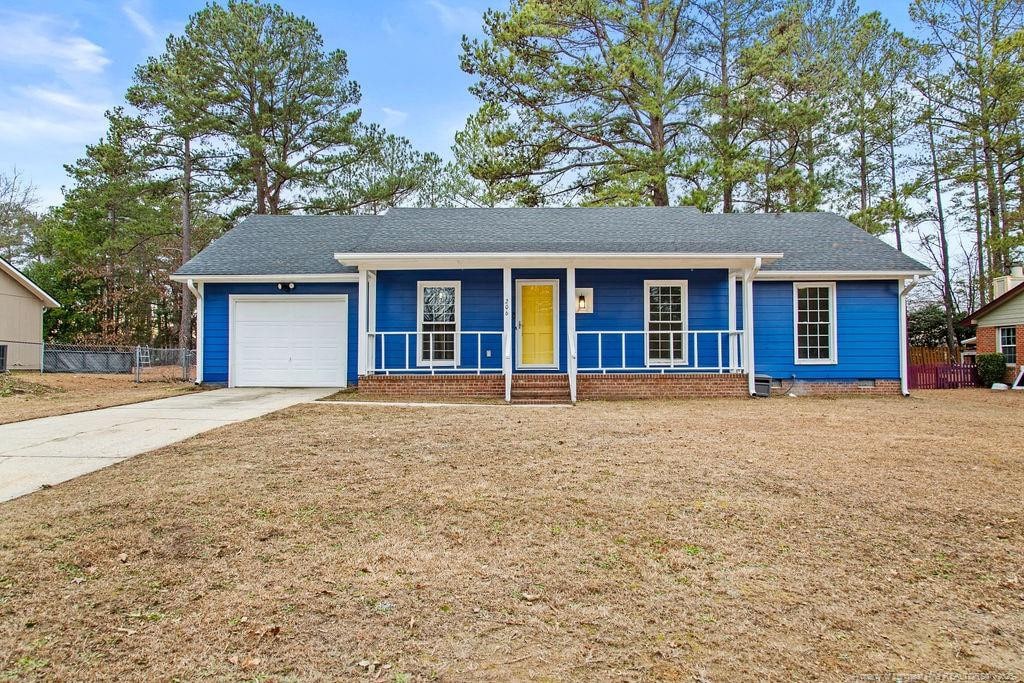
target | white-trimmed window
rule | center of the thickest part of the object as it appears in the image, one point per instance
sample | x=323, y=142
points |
x=665, y=321
x=814, y=323
x=437, y=326
x=1007, y=344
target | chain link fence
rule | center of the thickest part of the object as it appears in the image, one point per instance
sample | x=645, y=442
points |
x=142, y=363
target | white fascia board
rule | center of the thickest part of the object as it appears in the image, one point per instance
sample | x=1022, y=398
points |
x=385, y=261
x=840, y=274
x=22, y=279
x=320, y=277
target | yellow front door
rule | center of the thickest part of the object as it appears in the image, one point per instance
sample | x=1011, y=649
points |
x=537, y=324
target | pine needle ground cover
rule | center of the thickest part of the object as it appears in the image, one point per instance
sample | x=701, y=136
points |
x=786, y=539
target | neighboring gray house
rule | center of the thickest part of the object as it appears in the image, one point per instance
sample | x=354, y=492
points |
x=22, y=304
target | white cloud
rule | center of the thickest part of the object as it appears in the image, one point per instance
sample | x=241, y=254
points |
x=34, y=40
x=17, y=127
x=456, y=18
x=139, y=20
x=50, y=115
x=62, y=100
x=393, y=118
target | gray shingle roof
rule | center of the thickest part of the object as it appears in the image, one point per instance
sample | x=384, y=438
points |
x=306, y=244
x=282, y=245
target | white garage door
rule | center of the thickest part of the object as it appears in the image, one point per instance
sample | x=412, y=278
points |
x=289, y=341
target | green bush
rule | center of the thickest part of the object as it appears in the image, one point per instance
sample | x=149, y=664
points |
x=991, y=368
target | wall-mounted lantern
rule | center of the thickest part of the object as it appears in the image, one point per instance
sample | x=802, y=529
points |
x=584, y=300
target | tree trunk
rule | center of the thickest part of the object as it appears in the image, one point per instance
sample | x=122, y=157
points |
x=1003, y=213
x=947, y=287
x=727, y=170
x=979, y=227
x=185, y=327
x=659, y=188
x=863, y=168
x=893, y=193
x=992, y=198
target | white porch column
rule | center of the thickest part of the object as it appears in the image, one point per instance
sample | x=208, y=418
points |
x=570, y=328
x=733, y=346
x=371, y=321
x=748, y=323
x=506, y=334
x=363, y=318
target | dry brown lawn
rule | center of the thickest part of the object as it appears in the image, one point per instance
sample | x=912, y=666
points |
x=788, y=539
x=28, y=395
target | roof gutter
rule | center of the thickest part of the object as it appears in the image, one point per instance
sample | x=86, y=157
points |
x=842, y=274
x=469, y=255
x=272, y=277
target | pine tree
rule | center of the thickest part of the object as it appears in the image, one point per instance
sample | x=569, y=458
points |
x=595, y=99
x=724, y=30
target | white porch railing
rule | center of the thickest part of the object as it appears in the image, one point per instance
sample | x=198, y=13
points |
x=468, y=357
x=699, y=351
x=595, y=351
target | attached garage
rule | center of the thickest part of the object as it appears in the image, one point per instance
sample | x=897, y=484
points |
x=290, y=340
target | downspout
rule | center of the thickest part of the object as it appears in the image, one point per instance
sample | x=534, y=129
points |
x=748, y=322
x=197, y=292
x=904, y=388
x=42, y=341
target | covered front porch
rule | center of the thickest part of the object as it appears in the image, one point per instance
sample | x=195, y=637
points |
x=613, y=326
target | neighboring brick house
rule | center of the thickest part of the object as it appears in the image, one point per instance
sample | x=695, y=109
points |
x=1001, y=322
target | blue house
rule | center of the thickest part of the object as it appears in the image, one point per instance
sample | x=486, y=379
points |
x=552, y=303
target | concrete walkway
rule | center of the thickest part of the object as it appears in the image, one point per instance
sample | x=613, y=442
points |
x=50, y=450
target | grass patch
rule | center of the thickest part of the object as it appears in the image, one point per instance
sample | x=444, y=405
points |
x=788, y=539
x=30, y=395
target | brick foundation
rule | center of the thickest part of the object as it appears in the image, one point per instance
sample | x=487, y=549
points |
x=432, y=386
x=638, y=386
x=590, y=387
x=882, y=387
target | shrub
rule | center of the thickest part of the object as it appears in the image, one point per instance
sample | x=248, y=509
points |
x=991, y=368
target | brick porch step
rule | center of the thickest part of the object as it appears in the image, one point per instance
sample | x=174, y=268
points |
x=540, y=388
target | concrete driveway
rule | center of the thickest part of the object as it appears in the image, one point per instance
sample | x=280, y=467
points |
x=54, y=449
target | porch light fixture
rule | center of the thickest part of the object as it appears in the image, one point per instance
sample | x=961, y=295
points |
x=585, y=300
x=285, y=286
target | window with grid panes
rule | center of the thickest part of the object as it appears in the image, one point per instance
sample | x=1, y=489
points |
x=438, y=322
x=815, y=321
x=1008, y=344
x=666, y=323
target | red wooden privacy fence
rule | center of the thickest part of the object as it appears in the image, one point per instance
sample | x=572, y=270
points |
x=948, y=376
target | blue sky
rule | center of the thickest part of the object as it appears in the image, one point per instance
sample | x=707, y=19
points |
x=63, y=62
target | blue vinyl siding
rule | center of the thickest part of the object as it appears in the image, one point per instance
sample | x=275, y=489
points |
x=867, y=319
x=619, y=305
x=480, y=310
x=867, y=328
x=481, y=292
x=215, y=321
